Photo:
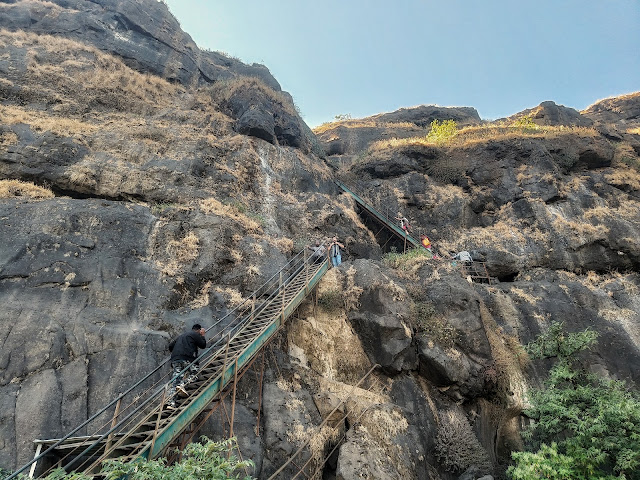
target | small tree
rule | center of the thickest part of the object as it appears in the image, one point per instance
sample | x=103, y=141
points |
x=442, y=132
x=585, y=427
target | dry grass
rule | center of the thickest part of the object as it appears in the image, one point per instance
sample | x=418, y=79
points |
x=457, y=448
x=609, y=101
x=181, y=252
x=232, y=296
x=585, y=231
x=44, y=122
x=17, y=188
x=624, y=176
x=364, y=123
x=527, y=297
x=634, y=131
x=214, y=206
x=202, y=300
x=7, y=138
x=471, y=135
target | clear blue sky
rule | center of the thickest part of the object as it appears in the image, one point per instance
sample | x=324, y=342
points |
x=364, y=57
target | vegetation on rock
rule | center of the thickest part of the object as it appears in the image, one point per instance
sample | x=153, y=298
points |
x=200, y=461
x=586, y=427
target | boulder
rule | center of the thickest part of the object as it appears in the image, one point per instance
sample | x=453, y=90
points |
x=549, y=113
x=381, y=322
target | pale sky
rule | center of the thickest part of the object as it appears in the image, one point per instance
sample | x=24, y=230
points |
x=362, y=57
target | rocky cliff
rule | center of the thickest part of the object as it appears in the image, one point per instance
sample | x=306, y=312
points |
x=170, y=182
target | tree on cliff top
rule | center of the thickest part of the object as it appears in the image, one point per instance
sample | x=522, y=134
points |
x=586, y=428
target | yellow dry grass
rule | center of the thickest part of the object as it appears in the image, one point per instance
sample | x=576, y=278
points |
x=181, y=252
x=582, y=229
x=7, y=138
x=232, y=296
x=527, y=297
x=214, y=206
x=42, y=121
x=608, y=101
x=17, y=188
x=364, y=123
x=634, y=130
x=471, y=135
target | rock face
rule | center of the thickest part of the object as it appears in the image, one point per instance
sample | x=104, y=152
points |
x=145, y=35
x=174, y=200
x=424, y=115
x=549, y=113
x=351, y=137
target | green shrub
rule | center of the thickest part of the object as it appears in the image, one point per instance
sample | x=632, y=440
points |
x=402, y=261
x=442, y=132
x=526, y=123
x=200, y=461
x=592, y=424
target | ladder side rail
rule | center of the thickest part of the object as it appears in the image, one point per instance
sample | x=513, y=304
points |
x=293, y=264
x=220, y=381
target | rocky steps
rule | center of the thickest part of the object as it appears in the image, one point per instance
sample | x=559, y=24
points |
x=180, y=185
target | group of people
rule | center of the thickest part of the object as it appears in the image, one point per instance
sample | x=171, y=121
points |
x=184, y=349
x=334, y=248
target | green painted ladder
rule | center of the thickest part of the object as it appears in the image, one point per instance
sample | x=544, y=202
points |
x=148, y=428
x=383, y=218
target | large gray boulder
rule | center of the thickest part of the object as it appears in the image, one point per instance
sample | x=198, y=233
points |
x=382, y=320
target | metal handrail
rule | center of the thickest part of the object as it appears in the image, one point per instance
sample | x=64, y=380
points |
x=234, y=326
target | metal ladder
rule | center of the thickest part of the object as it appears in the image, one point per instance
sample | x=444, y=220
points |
x=382, y=217
x=145, y=427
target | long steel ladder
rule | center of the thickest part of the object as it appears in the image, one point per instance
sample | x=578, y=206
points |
x=142, y=426
x=382, y=217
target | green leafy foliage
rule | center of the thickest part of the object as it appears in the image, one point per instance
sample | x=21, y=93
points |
x=201, y=461
x=592, y=424
x=442, y=132
x=555, y=342
x=526, y=123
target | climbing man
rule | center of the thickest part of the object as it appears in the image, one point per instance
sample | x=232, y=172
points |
x=404, y=223
x=334, y=252
x=184, y=350
x=464, y=257
x=318, y=252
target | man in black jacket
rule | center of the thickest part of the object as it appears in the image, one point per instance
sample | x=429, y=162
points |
x=184, y=350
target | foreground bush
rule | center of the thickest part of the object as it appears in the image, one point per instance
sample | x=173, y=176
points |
x=586, y=428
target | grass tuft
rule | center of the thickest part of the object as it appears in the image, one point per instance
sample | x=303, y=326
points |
x=17, y=188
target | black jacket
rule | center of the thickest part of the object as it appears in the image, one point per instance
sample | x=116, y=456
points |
x=185, y=347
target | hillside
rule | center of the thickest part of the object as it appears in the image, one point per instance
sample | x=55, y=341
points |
x=146, y=185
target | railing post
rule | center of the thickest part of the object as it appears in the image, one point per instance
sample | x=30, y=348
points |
x=158, y=418
x=282, y=292
x=253, y=305
x=306, y=270
x=33, y=465
x=224, y=365
x=113, y=422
